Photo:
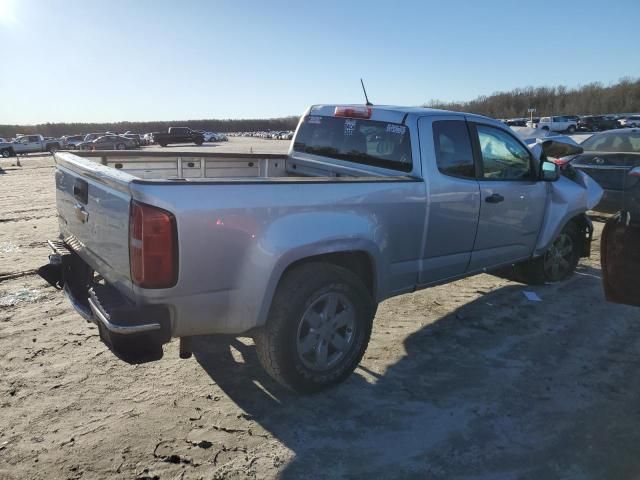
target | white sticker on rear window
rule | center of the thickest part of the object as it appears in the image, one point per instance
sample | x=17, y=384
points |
x=398, y=129
x=315, y=120
x=349, y=127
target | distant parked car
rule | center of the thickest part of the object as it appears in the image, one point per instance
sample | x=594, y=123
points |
x=90, y=137
x=135, y=137
x=71, y=142
x=210, y=137
x=607, y=158
x=516, y=122
x=29, y=144
x=632, y=121
x=178, y=135
x=557, y=124
x=597, y=123
x=109, y=142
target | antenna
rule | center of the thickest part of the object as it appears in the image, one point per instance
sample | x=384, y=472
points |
x=369, y=104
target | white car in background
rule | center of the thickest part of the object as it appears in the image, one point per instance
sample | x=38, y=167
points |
x=557, y=124
x=214, y=137
x=632, y=121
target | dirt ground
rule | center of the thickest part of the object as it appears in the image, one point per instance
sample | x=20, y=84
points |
x=464, y=381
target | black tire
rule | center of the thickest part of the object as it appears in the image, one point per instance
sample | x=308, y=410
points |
x=162, y=144
x=198, y=142
x=545, y=129
x=571, y=129
x=6, y=153
x=594, y=128
x=557, y=264
x=121, y=146
x=278, y=342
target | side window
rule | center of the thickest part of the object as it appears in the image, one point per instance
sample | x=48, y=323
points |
x=503, y=157
x=33, y=139
x=454, y=155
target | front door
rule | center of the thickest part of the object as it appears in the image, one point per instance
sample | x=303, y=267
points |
x=454, y=197
x=513, y=199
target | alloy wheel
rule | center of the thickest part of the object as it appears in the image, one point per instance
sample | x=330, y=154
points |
x=326, y=331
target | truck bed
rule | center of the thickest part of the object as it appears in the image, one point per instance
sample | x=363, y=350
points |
x=227, y=229
x=194, y=166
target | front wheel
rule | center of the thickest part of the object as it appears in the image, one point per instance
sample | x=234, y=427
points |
x=121, y=146
x=6, y=153
x=318, y=327
x=571, y=129
x=557, y=264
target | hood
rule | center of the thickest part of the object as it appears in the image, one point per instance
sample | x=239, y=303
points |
x=554, y=147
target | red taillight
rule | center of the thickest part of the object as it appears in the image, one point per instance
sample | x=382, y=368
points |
x=353, y=112
x=153, y=246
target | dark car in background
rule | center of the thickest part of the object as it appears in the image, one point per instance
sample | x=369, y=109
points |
x=71, y=142
x=135, y=137
x=597, y=123
x=620, y=246
x=109, y=142
x=607, y=158
x=178, y=135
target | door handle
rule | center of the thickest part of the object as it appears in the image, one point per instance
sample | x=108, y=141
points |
x=81, y=213
x=495, y=198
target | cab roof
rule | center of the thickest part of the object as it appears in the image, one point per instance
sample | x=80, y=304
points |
x=393, y=113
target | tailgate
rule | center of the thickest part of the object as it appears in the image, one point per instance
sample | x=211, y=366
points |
x=93, y=213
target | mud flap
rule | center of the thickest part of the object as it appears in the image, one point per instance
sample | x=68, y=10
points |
x=620, y=261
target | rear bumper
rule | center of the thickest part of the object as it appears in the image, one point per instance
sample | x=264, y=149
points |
x=129, y=330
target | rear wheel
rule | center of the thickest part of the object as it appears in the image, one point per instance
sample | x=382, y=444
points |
x=52, y=148
x=571, y=129
x=318, y=327
x=557, y=264
x=6, y=153
x=121, y=146
x=163, y=144
x=198, y=142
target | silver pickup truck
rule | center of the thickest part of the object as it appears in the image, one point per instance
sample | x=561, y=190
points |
x=297, y=250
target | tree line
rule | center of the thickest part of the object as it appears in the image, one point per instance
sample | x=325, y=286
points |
x=591, y=99
x=240, y=125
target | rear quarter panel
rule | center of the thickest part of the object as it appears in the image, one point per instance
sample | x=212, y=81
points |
x=236, y=240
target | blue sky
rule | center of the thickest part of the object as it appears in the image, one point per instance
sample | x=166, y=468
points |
x=165, y=60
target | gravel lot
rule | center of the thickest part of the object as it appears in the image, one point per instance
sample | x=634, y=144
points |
x=468, y=380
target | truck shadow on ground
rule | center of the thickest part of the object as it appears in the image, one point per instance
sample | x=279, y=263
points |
x=499, y=388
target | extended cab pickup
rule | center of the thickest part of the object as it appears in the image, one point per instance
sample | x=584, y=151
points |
x=178, y=135
x=28, y=144
x=297, y=250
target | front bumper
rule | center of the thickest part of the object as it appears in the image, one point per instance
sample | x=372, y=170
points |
x=133, y=332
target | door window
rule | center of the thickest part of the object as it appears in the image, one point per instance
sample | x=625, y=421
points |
x=454, y=155
x=503, y=157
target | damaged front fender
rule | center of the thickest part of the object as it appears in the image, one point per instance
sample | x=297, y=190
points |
x=567, y=200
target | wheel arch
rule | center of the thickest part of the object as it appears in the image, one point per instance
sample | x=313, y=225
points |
x=359, y=259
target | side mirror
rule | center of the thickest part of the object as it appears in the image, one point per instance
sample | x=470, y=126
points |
x=550, y=171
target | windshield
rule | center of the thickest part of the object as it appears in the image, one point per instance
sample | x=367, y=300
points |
x=368, y=142
x=621, y=142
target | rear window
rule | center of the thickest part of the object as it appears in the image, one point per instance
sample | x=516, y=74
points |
x=368, y=142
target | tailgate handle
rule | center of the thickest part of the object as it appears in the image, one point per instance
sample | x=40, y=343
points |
x=81, y=213
x=81, y=190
